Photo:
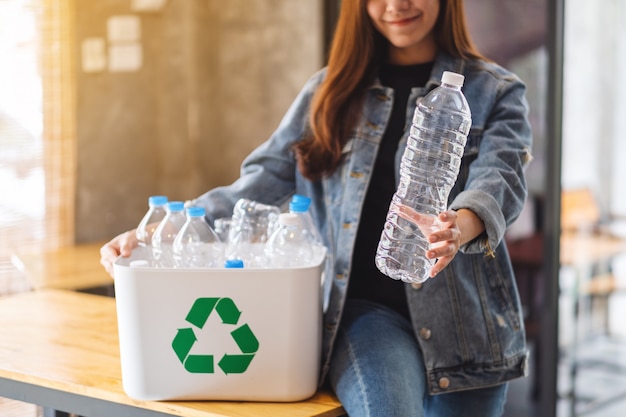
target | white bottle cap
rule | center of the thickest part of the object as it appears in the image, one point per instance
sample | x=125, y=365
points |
x=452, y=78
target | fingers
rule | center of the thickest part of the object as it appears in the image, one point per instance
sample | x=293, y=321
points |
x=448, y=217
x=442, y=248
x=127, y=242
x=443, y=235
x=121, y=245
x=107, y=257
x=440, y=265
x=445, y=243
x=443, y=253
x=410, y=214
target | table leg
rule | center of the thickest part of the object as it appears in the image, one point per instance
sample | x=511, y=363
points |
x=50, y=412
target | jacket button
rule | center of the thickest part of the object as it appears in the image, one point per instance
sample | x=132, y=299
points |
x=425, y=333
x=444, y=383
x=416, y=285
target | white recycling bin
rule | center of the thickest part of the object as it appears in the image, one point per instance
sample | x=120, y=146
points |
x=219, y=334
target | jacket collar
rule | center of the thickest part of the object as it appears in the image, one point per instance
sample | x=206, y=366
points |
x=443, y=62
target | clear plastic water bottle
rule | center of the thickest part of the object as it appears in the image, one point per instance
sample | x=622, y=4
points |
x=251, y=224
x=289, y=246
x=222, y=228
x=428, y=170
x=165, y=233
x=196, y=245
x=150, y=221
x=300, y=205
x=256, y=219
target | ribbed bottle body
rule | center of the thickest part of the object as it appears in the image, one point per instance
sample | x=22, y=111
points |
x=428, y=170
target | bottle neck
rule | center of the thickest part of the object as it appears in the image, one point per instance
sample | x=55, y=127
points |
x=451, y=86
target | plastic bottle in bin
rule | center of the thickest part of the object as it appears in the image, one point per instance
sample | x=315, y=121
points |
x=289, y=246
x=250, y=226
x=253, y=220
x=165, y=233
x=150, y=221
x=300, y=205
x=428, y=170
x=196, y=244
x=222, y=228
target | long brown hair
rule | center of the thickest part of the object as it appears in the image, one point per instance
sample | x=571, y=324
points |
x=356, y=51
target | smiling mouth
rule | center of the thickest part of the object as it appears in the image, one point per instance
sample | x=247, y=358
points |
x=404, y=21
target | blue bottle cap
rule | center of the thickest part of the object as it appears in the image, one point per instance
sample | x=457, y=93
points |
x=175, y=206
x=299, y=203
x=233, y=263
x=300, y=197
x=157, y=200
x=195, y=211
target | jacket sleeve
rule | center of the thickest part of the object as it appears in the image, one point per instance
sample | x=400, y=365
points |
x=267, y=174
x=495, y=188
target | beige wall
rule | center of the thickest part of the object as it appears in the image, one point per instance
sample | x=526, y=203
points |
x=215, y=79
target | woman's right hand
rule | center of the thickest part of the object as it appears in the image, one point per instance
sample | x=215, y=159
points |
x=121, y=245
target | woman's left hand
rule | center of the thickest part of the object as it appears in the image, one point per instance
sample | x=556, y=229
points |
x=443, y=234
x=445, y=242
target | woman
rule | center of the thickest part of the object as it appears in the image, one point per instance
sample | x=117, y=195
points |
x=446, y=347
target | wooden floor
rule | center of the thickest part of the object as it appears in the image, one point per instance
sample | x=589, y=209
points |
x=12, y=408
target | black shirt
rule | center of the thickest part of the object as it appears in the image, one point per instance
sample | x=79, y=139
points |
x=366, y=281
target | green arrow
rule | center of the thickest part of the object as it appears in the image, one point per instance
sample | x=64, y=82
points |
x=198, y=316
x=200, y=311
x=199, y=364
x=245, y=339
x=228, y=311
x=235, y=364
x=182, y=343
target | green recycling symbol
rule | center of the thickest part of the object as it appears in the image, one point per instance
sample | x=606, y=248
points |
x=243, y=337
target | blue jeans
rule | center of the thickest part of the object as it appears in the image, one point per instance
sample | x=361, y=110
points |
x=377, y=370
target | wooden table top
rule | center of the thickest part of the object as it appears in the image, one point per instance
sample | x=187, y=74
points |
x=575, y=248
x=68, y=342
x=584, y=248
x=71, y=267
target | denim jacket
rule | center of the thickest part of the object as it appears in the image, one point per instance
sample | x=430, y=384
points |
x=468, y=319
